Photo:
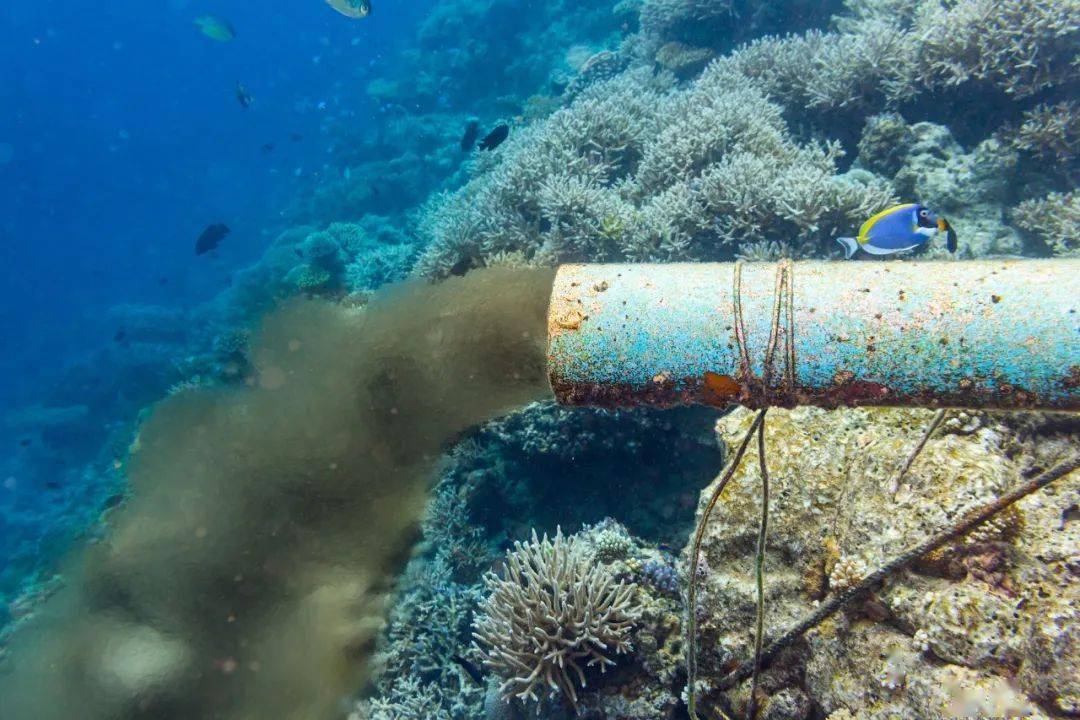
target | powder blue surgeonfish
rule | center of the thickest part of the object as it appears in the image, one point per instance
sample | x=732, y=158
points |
x=896, y=229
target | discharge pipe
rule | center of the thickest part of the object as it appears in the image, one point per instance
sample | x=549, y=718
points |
x=976, y=334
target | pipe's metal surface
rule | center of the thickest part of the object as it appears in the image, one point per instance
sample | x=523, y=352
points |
x=979, y=334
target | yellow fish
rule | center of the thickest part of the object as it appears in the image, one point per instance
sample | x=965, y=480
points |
x=351, y=8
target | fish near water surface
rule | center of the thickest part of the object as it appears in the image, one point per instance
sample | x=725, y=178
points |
x=355, y=9
x=210, y=238
x=896, y=229
x=216, y=28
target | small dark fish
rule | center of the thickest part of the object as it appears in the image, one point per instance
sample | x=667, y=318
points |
x=472, y=130
x=470, y=668
x=296, y=137
x=120, y=336
x=210, y=238
x=163, y=281
x=114, y=500
x=25, y=442
x=268, y=148
x=495, y=138
x=52, y=485
x=243, y=96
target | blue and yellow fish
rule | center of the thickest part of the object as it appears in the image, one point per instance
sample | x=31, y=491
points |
x=896, y=229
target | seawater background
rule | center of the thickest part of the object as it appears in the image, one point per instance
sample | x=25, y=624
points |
x=127, y=140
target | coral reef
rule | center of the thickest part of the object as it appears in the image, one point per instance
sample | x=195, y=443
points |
x=554, y=612
x=1051, y=132
x=640, y=130
x=1054, y=219
x=635, y=170
x=979, y=607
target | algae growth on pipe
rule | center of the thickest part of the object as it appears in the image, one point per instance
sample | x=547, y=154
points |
x=980, y=334
x=247, y=575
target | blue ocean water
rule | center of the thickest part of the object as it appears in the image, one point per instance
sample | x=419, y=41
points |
x=122, y=139
x=126, y=140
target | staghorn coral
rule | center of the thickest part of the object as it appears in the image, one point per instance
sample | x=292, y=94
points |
x=1050, y=132
x=828, y=70
x=408, y=699
x=580, y=151
x=634, y=170
x=428, y=626
x=555, y=614
x=885, y=51
x=763, y=251
x=1054, y=219
x=1021, y=46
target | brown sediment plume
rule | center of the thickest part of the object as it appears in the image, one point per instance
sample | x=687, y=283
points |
x=247, y=577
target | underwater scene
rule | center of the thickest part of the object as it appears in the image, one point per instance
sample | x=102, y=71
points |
x=522, y=360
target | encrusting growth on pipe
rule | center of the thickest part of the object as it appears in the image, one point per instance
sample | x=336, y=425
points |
x=981, y=334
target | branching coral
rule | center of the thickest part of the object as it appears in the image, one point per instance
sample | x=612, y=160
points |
x=888, y=51
x=590, y=146
x=1051, y=132
x=554, y=612
x=1054, y=219
x=633, y=170
x=408, y=699
x=1021, y=46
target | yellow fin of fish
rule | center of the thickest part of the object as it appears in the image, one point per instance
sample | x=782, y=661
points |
x=864, y=231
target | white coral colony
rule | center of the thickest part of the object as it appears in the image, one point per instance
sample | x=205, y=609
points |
x=554, y=608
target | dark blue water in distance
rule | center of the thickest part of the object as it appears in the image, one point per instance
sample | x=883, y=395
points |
x=125, y=140
x=317, y=472
x=128, y=140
